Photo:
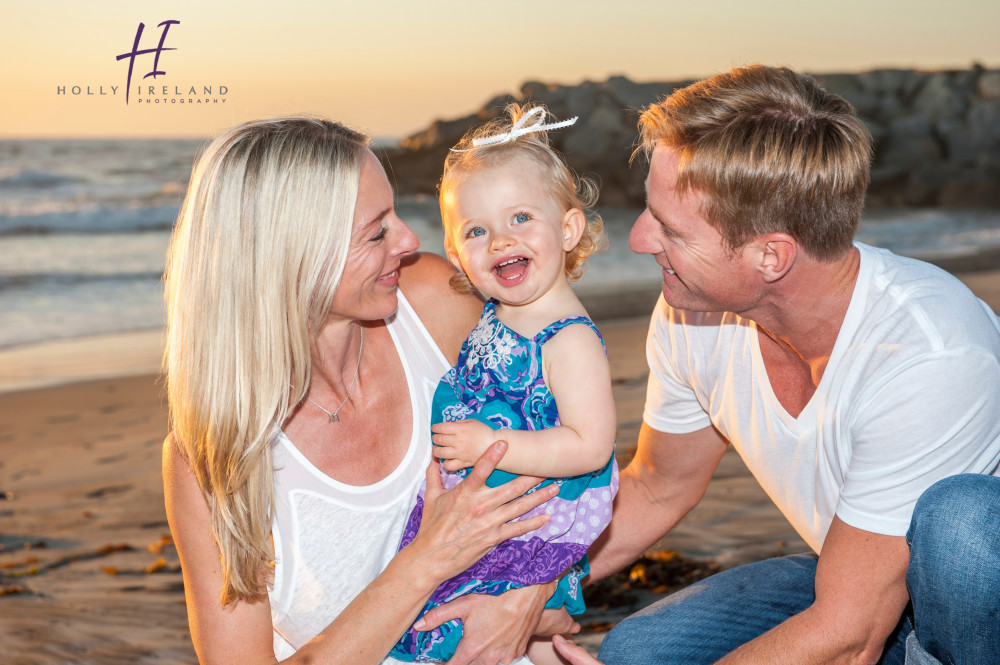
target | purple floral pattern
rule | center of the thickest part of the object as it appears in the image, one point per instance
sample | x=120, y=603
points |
x=498, y=380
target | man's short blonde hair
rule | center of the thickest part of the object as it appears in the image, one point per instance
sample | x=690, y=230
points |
x=772, y=151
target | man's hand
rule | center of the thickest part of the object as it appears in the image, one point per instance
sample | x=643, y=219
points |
x=461, y=443
x=574, y=653
x=496, y=629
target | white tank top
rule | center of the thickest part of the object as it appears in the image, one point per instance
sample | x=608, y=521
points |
x=330, y=539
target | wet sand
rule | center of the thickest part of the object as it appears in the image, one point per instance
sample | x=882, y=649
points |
x=87, y=573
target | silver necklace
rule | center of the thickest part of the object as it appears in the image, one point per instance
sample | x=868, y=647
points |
x=334, y=417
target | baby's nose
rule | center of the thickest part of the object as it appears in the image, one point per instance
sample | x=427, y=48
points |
x=501, y=240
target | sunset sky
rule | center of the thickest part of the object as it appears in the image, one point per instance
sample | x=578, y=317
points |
x=391, y=67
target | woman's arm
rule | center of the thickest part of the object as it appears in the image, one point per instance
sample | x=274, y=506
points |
x=458, y=527
x=577, y=374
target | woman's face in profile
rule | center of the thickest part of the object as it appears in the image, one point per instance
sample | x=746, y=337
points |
x=379, y=242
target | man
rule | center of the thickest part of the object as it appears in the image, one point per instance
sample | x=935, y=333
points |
x=850, y=381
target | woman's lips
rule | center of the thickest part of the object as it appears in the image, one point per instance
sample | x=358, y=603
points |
x=389, y=279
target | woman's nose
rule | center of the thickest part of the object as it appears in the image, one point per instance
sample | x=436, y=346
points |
x=408, y=242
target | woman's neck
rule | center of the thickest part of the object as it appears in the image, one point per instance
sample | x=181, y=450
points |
x=337, y=355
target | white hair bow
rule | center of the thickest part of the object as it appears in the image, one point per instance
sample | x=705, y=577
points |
x=536, y=116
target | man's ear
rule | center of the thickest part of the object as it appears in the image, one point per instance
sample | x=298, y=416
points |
x=777, y=255
x=574, y=223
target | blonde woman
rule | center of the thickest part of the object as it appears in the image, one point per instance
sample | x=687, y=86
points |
x=304, y=339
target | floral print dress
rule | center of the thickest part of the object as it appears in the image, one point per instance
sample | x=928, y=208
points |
x=498, y=380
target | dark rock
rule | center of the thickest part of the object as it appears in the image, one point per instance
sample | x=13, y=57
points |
x=960, y=146
x=892, y=82
x=939, y=99
x=988, y=85
x=984, y=126
x=866, y=104
x=636, y=96
x=972, y=189
x=909, y=143
x=937, y=134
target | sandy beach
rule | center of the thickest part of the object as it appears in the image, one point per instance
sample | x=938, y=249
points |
x=87, y=571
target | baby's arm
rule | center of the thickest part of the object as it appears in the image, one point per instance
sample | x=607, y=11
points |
x=577, y=373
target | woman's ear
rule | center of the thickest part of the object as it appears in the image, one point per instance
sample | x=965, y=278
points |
x=574, y=223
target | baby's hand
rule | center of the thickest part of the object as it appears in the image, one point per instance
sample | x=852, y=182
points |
x=461, y=443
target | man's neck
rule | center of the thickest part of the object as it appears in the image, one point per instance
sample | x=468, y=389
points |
x=804, y=313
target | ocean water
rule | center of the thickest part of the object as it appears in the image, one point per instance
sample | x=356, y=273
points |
x=84, y=226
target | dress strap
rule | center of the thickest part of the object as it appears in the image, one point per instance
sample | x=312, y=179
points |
x=555, y=327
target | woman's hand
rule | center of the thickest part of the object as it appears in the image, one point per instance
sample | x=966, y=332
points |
x=574, y=653
x=461, y=443
x=496, y=629
x=460, y=525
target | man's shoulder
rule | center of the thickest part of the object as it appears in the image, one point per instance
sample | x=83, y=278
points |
x=694, y=338
x=921, y=297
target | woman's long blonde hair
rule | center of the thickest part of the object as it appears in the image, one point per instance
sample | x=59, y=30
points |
x=254, y=260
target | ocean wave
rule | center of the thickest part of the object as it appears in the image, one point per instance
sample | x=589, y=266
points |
x=22, y=281
x=91, y=220
x=27, y=179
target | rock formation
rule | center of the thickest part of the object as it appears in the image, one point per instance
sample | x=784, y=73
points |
x=937, y=135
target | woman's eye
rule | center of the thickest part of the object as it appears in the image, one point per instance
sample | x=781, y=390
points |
x=475, y=232
x=380, y=235
x=521, y=217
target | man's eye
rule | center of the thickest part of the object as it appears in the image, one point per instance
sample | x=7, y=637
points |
x=521, y=217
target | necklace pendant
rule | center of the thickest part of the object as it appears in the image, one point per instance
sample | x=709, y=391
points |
x=334, y=418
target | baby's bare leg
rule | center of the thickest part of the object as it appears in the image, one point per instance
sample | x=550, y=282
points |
x=541, y=652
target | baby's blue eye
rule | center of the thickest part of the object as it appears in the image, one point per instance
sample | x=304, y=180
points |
x=475, y=232
x=521, y=217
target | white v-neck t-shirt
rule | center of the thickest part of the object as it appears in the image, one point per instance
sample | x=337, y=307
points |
x=331, y=539
x=911, y=394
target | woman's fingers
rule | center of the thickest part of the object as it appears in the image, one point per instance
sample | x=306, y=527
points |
x=521, y=527
x=432, y=486
x=517, y=487
x=472, y=518
x=485, y=465
x=434, y=617
x=528, y=502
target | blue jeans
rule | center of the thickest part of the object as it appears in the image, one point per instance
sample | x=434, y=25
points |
x=954, y=583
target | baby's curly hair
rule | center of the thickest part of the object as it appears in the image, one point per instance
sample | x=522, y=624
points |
x=570, y=190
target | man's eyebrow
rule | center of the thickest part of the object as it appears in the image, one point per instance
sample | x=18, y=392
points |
x=655, y=213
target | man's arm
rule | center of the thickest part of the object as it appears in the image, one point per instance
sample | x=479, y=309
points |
x=860, y=596
x=666, y=479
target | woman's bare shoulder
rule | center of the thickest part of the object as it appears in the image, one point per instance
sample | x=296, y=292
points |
x=447, y=314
